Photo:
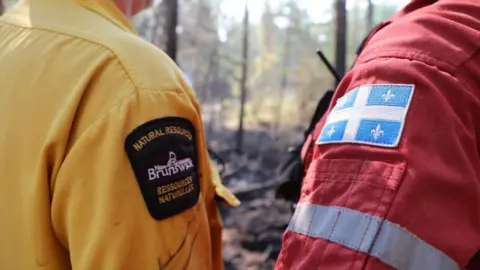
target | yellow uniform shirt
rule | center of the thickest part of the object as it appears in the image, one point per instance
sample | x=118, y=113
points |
x=103, y=161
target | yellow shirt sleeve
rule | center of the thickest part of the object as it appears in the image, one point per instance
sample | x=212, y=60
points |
x=228, y=198
x=136, y=189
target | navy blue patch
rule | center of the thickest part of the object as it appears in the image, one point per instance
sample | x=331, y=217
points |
x=163, y=156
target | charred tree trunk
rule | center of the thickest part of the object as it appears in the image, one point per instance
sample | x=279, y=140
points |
x=243, y=86
x=171, y=28
x=370, y=10
x=204, y=93
x=213, y=102
x=284, y=81
x=341, y=36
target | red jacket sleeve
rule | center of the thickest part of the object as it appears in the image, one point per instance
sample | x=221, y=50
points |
x=412, y=202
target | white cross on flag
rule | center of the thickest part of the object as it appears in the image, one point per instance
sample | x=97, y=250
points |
x=369, y=114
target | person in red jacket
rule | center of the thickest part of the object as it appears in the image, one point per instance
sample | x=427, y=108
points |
x=393, y=179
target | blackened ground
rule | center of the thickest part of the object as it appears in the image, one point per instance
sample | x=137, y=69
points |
x=253, y=231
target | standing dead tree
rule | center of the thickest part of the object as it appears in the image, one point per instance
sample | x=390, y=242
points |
x=284, y=79
x=243, y=86
x=370, y=10
x=341, y=36
x=171, y=16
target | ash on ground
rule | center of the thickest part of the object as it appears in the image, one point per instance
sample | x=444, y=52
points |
x=253, y=231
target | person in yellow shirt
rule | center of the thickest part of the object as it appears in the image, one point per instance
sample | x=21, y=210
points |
x=103, y=159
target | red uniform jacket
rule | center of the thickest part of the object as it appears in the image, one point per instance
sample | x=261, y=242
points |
x=393, y=178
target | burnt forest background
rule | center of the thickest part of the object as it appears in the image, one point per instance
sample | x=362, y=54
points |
x=254, y=68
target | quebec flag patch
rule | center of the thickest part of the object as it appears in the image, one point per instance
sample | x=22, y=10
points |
x=369, y=114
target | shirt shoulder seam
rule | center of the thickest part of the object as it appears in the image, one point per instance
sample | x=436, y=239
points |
x=113, y=52
x=120, y=103
x=407, y=58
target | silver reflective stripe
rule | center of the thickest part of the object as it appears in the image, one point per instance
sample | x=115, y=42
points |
x=377, y=237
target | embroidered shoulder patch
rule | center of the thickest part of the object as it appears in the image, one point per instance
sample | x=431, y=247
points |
x=369, y=114
x=163, y=156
